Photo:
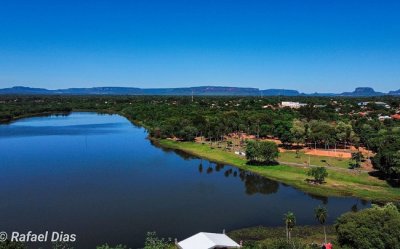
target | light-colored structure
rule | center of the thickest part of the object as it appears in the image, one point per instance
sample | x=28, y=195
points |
x=208, y=241
x=376, y=103
x=381, y=118
x=294, y=105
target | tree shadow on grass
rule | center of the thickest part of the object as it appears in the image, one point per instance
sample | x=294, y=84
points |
x=354, y=166
x=257, y=163
x=395, y=183
x=314, y=182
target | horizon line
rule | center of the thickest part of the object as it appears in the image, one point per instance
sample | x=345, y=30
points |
x=197, y=86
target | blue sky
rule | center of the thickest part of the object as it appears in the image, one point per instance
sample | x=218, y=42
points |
x=324, y=46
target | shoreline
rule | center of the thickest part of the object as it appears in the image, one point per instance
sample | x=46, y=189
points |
x=337, y=185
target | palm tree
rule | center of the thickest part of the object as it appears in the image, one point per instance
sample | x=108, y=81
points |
x=321, y=214
x=290, y=222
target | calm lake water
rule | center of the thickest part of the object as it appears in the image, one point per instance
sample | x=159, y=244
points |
x=97, y=176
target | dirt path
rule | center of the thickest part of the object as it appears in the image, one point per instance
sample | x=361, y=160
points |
x=329, y=167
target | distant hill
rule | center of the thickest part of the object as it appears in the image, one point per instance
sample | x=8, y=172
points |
x=24, y=90
x=395, y=92
x=204, y=90
x=100, y=91
x=200, y=90
x=362, y=91
x=280, y=92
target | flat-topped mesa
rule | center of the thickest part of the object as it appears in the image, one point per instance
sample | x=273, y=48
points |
x=363, y=91
x=186, y=91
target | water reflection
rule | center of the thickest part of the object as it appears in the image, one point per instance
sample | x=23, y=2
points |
x=323, y=199
x=256, y=184
x=68, y=130
x=253, y=183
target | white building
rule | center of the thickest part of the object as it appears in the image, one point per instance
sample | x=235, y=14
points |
x=381, y=117
x=294, y=105
x=208, y=241
x=376, y=103
x=363, y=103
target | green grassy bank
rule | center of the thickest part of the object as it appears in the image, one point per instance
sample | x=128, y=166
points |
x=338, y=183
x=254, y=237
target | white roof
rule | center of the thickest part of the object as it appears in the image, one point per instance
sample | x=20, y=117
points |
x=208, y=241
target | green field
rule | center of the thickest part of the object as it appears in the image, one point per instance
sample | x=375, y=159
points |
x=338, y=183
x=302, y=158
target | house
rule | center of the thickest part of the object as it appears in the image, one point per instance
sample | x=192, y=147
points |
x=268, y=106
x=294, y=105
x=363, y=103
x=376, y=103
x=396, y=116
x=381, y=117
x=207, y=241
x=382, y=104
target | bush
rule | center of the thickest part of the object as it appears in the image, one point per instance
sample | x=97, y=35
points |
x=373, y=228
x=261, y=152
x=12, y=245
x=153, y=242
x=319, y=174
x=281, y=244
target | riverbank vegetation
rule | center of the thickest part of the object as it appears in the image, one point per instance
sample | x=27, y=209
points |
x=218, y=128
x=274, y=237
x=377, y=227
x=341, y=182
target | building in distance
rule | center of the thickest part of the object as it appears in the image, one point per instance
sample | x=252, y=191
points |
x=294, y=105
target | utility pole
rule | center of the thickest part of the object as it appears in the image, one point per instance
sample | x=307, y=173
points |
x=192, y=96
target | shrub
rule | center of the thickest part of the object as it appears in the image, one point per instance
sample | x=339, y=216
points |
x=261, y=152
x=373, y=228
x=319, y=174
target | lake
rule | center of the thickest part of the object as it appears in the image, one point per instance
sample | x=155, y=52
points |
x=97, y=176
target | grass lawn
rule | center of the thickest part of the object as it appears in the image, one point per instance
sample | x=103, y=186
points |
x=302, y=158
x=338, y=183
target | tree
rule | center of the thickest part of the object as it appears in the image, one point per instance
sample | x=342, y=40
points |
x=387, y=159
x=282, y=131
x=298, y=131
x=188, y=133
x=12, y=245
x=321, y=214
x=345, y=133
x=319, y=174
x=261, y=152
x=153, y=242
x=290, y=222
x=322, y=132
x=372, y=228
x=357, y=157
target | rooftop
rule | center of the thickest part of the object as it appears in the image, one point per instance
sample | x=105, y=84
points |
x=208, y=241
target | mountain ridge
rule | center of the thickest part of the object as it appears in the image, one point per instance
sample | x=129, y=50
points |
x=197, y=90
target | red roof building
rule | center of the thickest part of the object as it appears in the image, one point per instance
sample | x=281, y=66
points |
x=396, y=116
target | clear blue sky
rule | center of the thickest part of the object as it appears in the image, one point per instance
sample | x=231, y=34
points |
x=324, y=46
